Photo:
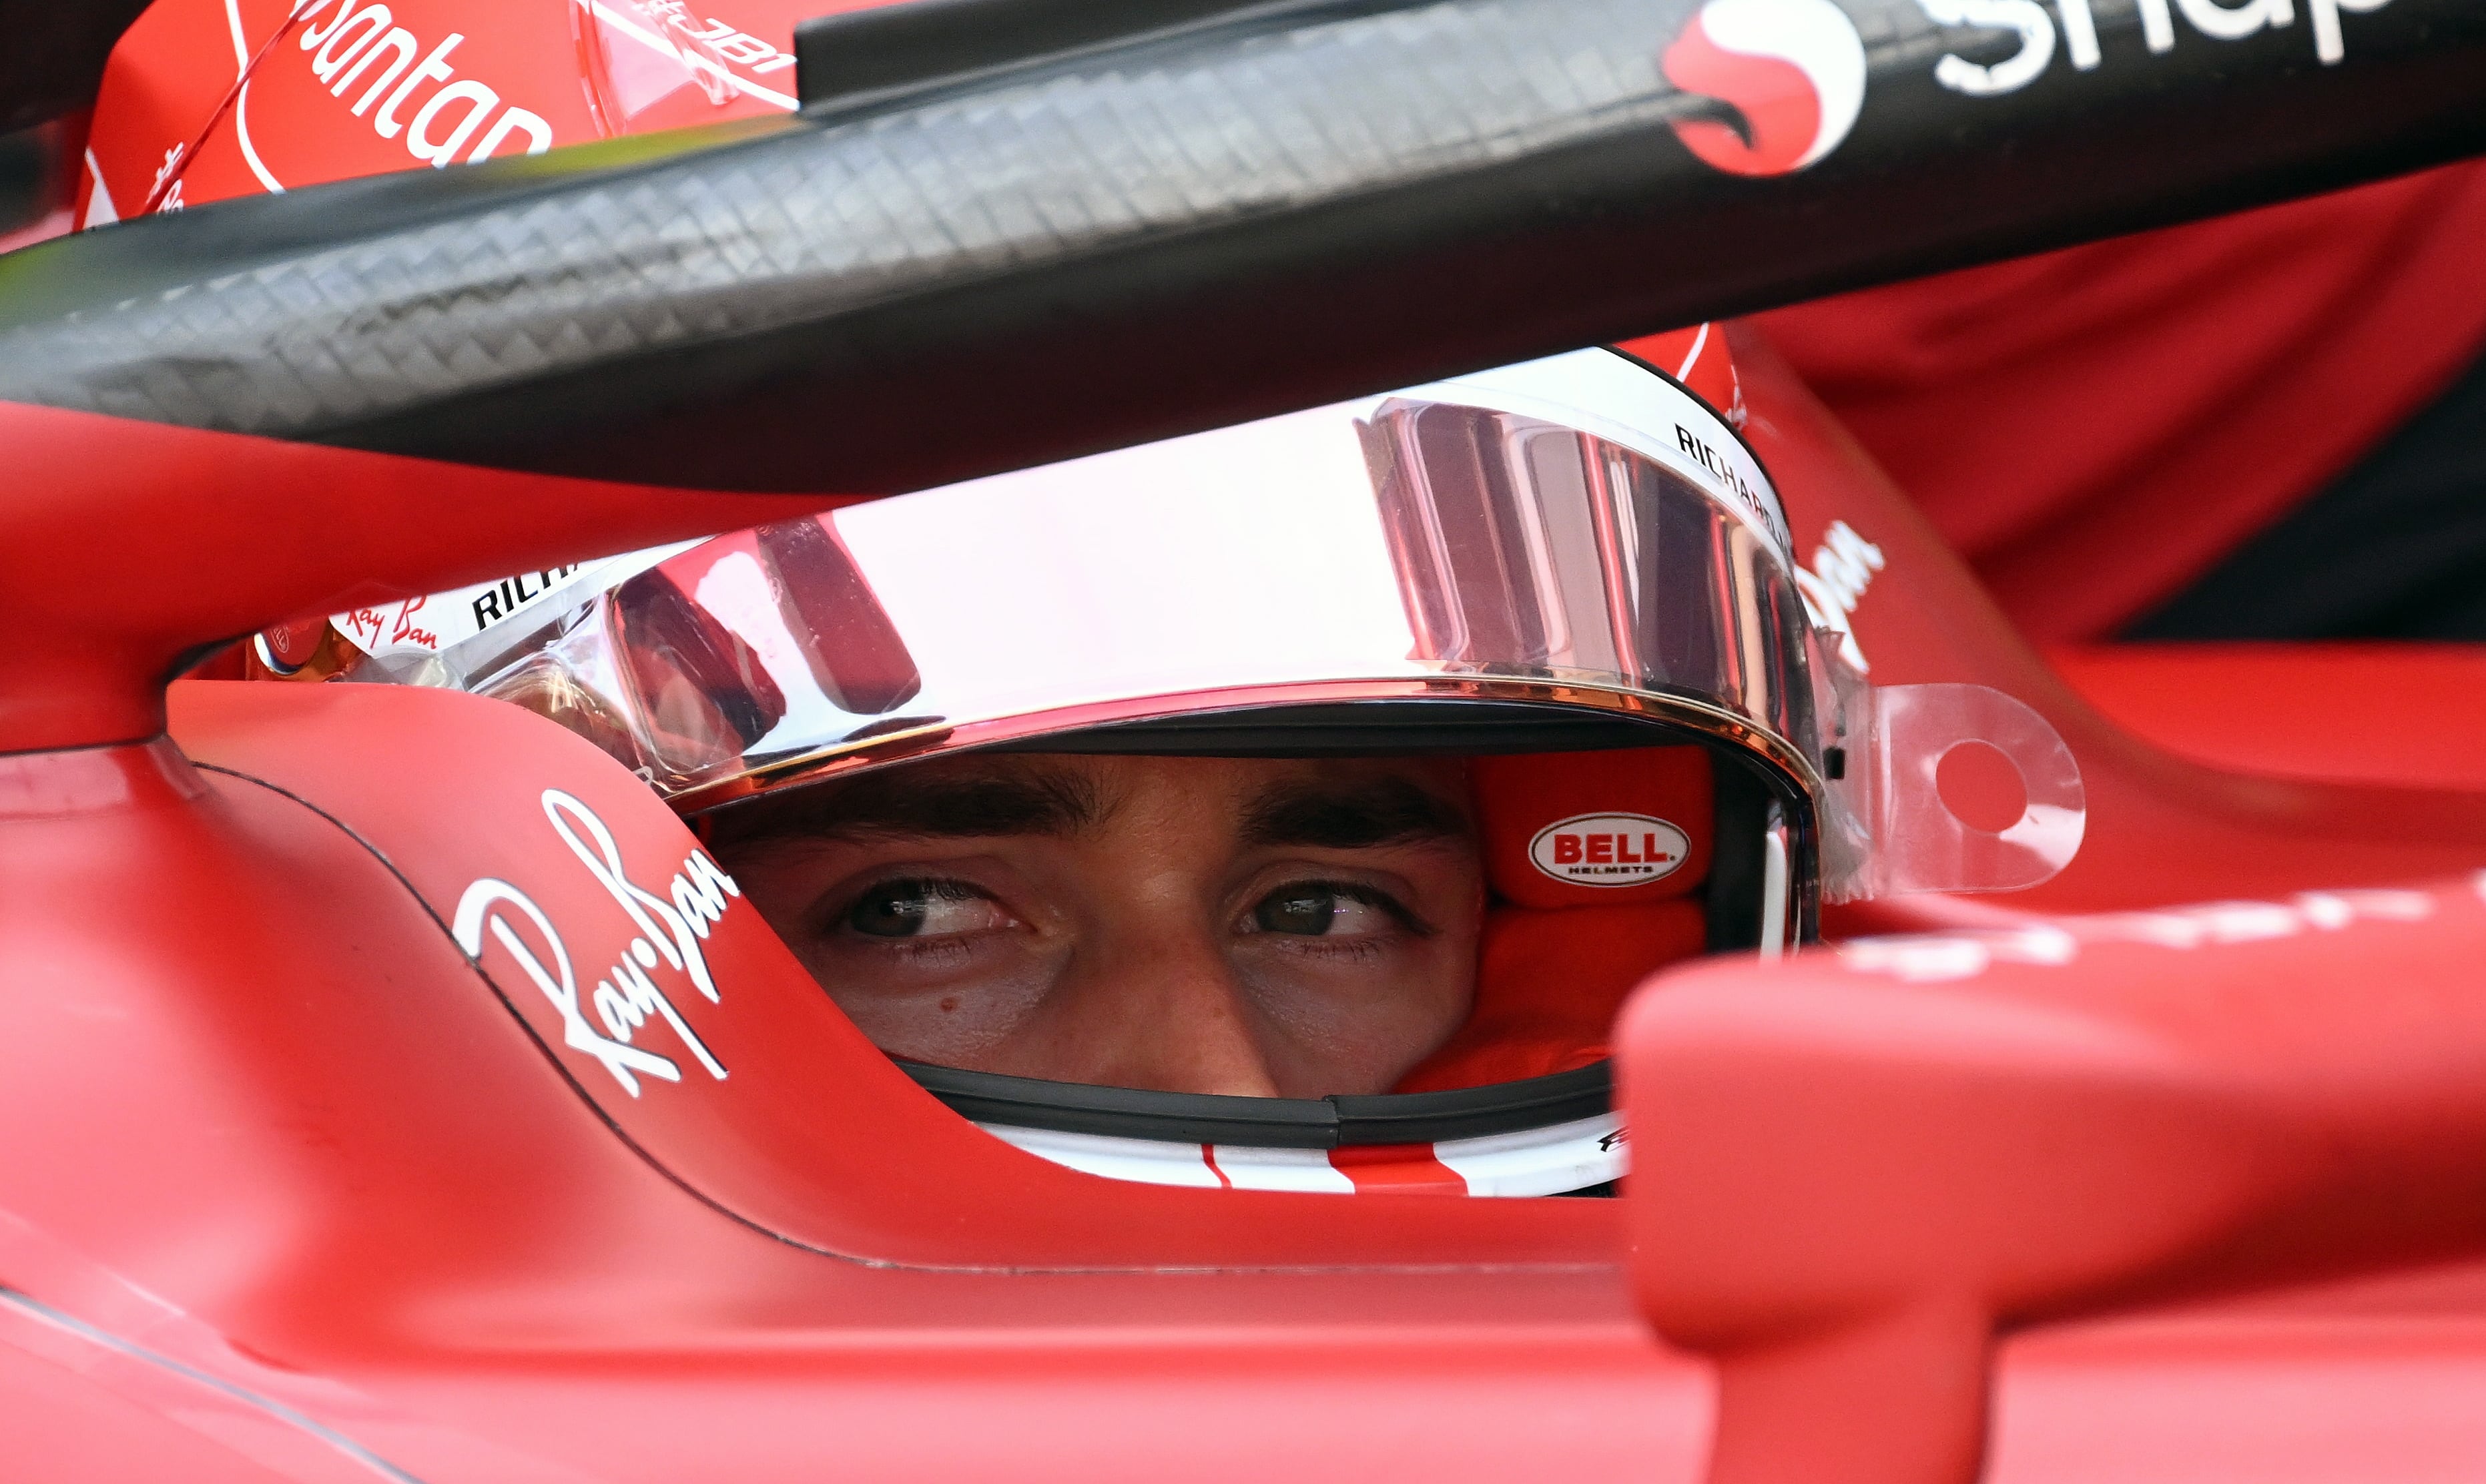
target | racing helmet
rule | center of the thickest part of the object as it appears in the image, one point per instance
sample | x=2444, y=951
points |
x=1572, y=573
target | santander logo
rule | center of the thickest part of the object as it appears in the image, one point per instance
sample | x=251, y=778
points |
x=1794, y=70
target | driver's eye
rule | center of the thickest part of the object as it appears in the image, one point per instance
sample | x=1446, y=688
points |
x=1312, y=910
x=923, y=909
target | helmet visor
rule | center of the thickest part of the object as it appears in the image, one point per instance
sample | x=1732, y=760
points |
x=1577, y=530
x=1472, y=530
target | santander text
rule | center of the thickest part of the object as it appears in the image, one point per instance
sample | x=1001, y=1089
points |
x=356, y=41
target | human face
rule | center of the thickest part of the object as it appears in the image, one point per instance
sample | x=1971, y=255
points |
x=1265, y=929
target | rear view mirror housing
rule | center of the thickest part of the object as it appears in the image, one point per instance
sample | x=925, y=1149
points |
x=1855, y=1169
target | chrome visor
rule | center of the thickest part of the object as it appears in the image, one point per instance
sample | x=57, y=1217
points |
x=1575, y=532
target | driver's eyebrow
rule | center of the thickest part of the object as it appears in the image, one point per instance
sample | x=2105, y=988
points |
x=896, y=807
x=1341, y=815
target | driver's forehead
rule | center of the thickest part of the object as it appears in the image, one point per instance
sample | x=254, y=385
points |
x=1337, y=802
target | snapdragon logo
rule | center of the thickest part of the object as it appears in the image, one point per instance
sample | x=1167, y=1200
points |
x=2214, y=20
x=1793, y=68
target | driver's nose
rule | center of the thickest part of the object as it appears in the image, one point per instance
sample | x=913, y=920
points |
x=1168, y=1004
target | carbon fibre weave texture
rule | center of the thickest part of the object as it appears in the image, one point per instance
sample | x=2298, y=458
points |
x=801, y=225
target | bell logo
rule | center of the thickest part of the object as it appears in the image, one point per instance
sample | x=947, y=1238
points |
x=1793, y=68
x=1608, y=850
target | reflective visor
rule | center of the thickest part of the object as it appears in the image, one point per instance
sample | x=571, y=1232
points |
x=1577, y=530
x=1475, y=529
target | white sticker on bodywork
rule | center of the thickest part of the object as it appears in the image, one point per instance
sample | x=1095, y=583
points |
x=671, y=927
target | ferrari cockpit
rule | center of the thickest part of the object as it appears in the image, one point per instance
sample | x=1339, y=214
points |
x=1285, y=807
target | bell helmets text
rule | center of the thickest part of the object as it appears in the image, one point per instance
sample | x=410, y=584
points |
x=1794, y=70
x=1608, y=850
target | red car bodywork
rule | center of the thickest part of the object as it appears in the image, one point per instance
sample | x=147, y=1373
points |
x=303, y=1181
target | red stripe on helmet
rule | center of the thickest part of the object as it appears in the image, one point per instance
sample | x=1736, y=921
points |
x=1397, y=1169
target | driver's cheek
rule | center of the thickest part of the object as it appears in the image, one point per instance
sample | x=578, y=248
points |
x=954, y=1004
x=1355, y=1022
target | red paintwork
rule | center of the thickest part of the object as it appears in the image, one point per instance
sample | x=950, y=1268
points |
x=2096, y=427
x=289, y=1108
x=2161, y=829
x=2382, y=713
x=110, y=524
x=268, y=1121
x=813, y=1135
x=2007, y=1128
x=407, y=1197
x=184, y=60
